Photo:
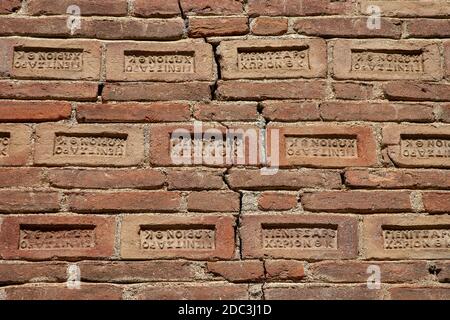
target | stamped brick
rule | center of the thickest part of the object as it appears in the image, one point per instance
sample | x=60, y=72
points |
x=418, y=146
x=412, y=237
x=273, y=59
x=386, y=60
x=299, y=237
x=49, y=237
x=324, y=145
x=175, y=145
x=112, y=145
x=410, y=8
x=15, y=148
x=159, y=61
x=169, y=237
x=25, y=58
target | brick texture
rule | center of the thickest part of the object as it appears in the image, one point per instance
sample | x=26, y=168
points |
x=224, y=149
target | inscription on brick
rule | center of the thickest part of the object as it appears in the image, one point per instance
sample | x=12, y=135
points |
x=42, y=238
x=273, y=59
x=426, y=148
x=416, y=239
x=418, y=145
x=4, y=144
x=413, y=237
x=71, y=145
x=407, y=62
x=345, y=147
x=306, y=238
x=386, y=60
x=142, y=62
x=173, y=239
x=160, y=61
x=40, y=59
x=270, y=59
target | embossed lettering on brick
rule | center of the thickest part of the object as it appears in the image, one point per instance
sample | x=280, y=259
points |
x=112, y=145
x=386, y=60
x=299, y=236
x=15, y=144
x=45, y=237
x=415, y=237
x=418, y=146
x=165, y=237
x=276, y=59
x=325, y=145
x=153, y=61
x=50, y=59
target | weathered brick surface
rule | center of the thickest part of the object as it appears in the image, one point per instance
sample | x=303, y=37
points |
x=299, y=236
x=224, y=149
x=417, y=237
x=168, y=237
x=48, y=237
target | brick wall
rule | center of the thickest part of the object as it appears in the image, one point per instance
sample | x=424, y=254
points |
x=350, y=110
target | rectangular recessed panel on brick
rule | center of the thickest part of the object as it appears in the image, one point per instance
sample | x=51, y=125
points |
x=15, y=144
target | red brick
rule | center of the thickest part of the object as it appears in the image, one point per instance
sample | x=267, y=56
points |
x=366, y=111
x=420, y=293
x=352, y=91
x=308, y=60
x=406, y=237
x=267, y=26
x=281, y=270
x=355, y=59
x=204, y=291
x=335, y=236
x=242, y=111
x=137, y=271
x=23, y=272
x=125, y=201
x=195, y=179
x=320, y=292
x=357, y=271
x=34, y=111
x=340, y=145
x=106, y=179
x=417, y=145
x=277, y=201
x=9, y=6
x=152, y=91
x=211, y=201
x=113, y=145
x=217, y=26
x=45, y=237
x=87, y=7
x=290, y=111
x=61, y=292
x=447, y=58
x=21, y=177
x=151, y=237
x=156, y=8
x=417, y=91
x=98, y=28
x=445, y=115
x=428, y=28
x=357, y=201
x=444, y=271
x=397, y=179
x=51, y=90
x=258, y=90
x=400, y=8
x=298, y=7
x=251, y=179
x=133, y=112
x=331, y=27
x=15, y=144
x=132, y=61
x=436, y=202
x=211, y=7
x=28, y=201
x=238, y=271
